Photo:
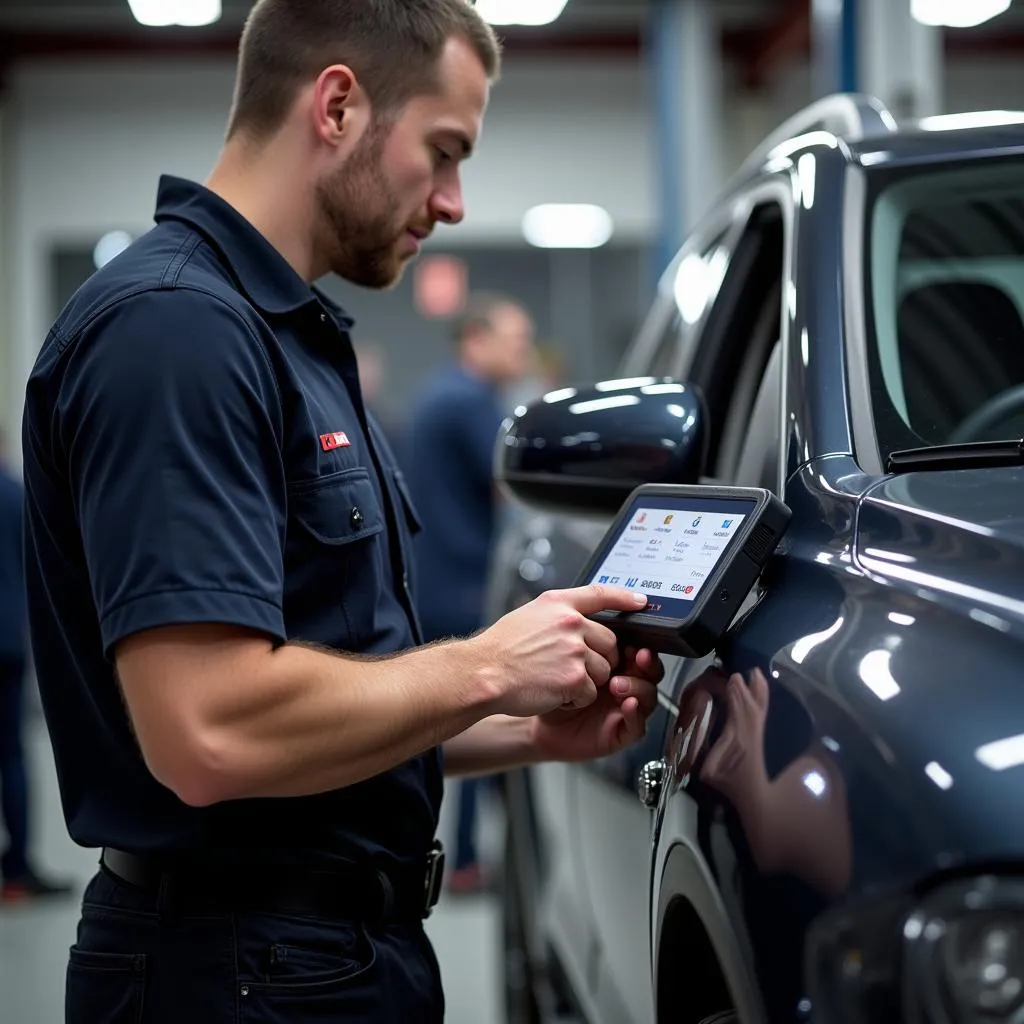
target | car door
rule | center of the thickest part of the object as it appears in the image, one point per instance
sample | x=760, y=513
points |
x=612, y=826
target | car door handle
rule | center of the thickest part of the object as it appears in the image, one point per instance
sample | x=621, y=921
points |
x=649, y=784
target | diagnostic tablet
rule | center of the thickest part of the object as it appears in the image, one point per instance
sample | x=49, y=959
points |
x=695, y=552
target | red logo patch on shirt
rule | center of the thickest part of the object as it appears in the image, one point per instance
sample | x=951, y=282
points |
x=336, y=440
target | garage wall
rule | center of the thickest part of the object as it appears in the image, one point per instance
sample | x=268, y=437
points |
x=85, y=144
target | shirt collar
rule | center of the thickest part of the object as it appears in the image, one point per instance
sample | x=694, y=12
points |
x=265, y=277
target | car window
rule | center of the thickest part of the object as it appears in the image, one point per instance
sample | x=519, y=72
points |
x=741, y=332
x=945, y=304
x=668, y=354
x=687, y=290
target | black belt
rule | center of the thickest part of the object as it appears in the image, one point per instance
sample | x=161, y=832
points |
x=348, y=892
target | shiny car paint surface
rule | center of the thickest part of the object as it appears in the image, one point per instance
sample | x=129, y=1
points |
x=871, y=754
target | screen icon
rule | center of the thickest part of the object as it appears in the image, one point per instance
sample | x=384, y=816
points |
x=642, y=518
x=726, y=524
x=632, y=581
x=668, y=520
x=688, y=590
x=614, y=580
x=697, y=522
x=603, y=579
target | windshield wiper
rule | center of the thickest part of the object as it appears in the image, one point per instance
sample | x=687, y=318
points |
x=974, y=455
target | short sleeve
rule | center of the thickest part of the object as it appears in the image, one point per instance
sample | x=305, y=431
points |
x=170, y=419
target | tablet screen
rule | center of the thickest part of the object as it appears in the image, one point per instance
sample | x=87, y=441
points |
x=669, y=549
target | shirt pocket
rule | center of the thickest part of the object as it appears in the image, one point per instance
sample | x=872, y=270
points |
x=335, y=559
x=412, y=518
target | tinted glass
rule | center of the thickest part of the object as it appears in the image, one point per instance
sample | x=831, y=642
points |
x=945, y=304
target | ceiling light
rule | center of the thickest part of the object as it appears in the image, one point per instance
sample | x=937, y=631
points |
x=520, y=12
x=161, y=13
x=957, y=13
x=567, y=226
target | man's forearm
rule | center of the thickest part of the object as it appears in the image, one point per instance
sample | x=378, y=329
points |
x=313, y=721
x=496, y=744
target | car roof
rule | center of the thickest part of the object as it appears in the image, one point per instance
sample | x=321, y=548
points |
x=949, y=136
x=873, y=136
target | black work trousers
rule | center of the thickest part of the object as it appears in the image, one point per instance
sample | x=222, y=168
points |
x=138, y=960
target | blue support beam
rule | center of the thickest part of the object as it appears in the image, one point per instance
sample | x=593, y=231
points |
x=835, y=39
x=664, y=31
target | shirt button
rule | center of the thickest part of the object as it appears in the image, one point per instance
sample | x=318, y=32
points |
x=356, y=517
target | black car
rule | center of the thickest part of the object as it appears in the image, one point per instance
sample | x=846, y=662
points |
x=838, y=835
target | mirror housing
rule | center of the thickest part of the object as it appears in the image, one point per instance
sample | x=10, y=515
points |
x=584, y=451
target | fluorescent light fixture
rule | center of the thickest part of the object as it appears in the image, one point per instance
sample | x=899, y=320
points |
x=972, y=119
x=161, y=13
x=520, y=12
x=938, y=775
x=1002, y=754
x=957, y=13
x=112, y=244
x=567, y=226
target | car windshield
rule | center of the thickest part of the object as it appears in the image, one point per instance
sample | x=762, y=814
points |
x=945, y=303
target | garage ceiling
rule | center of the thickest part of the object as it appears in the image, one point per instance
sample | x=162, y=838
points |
x=113, y=15
x=757, y=34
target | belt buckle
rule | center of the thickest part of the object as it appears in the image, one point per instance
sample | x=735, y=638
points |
x=434, y=878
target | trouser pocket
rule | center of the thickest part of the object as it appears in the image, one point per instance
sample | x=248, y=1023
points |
x=105, y=987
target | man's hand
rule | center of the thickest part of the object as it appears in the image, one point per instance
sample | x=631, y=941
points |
x=616, y=719
x=548, y=655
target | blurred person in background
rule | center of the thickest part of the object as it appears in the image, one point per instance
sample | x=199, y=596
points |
x=449, y=459
x=19, y=880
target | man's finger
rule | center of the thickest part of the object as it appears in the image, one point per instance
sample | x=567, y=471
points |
x=650, y=665
x=643, y=691
x=634, y=719
x=601, y=639
x=582, y=696
x=599, y=597
x=598, y=668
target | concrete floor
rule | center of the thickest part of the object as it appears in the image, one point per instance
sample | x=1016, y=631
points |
x=34, y=939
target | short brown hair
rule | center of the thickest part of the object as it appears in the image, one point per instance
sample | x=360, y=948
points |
x=479, y=313
x=393, y=46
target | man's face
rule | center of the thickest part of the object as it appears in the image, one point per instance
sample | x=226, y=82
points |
x=510, y=344
x=403, y=178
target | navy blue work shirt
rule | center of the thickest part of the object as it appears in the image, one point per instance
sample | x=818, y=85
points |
x=12, y=577
x=449, y=464
x=197, y=451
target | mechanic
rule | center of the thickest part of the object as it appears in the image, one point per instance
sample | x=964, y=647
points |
x=218, y=558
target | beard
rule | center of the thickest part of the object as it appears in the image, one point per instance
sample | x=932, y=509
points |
x=361, y=218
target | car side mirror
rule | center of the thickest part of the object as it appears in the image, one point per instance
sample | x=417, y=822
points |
x=584, y=451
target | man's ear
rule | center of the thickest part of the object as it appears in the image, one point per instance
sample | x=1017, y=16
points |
x=337, y=102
